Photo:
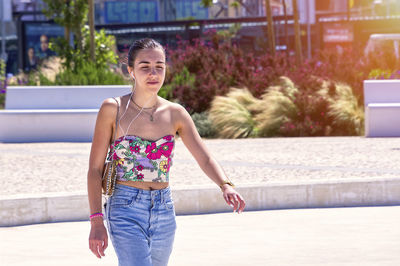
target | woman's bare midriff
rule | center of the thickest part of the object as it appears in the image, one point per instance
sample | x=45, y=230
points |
x=144, y=185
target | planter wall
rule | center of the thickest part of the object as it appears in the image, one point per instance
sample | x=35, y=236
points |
x=53, y=114
x=382, y=108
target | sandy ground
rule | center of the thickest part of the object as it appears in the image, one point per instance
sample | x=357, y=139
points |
x=62, y=167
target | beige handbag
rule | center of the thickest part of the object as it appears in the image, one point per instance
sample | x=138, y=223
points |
x=110, y=167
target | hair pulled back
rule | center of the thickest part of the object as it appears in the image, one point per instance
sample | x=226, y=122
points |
x=137, y=46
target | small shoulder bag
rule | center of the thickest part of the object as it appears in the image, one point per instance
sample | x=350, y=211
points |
x=109, y=171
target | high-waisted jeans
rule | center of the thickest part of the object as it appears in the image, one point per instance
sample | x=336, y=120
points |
x=141, y=225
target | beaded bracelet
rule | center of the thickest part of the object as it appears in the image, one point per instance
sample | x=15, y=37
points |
x=97, y=214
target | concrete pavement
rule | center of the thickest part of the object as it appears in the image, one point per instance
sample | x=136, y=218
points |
x=284, y=173
x=63, y=207
x=366, y=236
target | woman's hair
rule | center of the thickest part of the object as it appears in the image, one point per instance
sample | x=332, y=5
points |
x=137, y=46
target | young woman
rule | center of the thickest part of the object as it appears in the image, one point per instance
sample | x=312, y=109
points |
x=140, y=214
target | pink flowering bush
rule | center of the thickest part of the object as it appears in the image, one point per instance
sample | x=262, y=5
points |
x=208, y=68
x=311, y=118
x=204, y=69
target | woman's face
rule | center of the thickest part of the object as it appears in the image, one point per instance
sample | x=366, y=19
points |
x=30, y=53
x=149, y=69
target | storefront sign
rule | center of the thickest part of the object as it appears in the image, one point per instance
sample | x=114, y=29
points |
x=338, y=33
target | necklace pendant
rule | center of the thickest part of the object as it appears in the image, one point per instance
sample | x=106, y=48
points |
x=151, y=118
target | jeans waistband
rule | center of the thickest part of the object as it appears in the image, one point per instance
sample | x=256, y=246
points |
x=161, y=193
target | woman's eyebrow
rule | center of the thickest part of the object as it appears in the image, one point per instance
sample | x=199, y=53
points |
x=147, y=62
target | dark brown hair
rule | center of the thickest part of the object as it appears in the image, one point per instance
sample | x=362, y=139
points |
x=146, y=43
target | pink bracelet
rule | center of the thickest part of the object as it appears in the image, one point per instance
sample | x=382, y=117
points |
x=97, y=214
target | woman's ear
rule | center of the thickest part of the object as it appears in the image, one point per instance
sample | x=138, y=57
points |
x=130, y=70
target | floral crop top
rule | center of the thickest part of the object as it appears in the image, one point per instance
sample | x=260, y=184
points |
x=142, y=160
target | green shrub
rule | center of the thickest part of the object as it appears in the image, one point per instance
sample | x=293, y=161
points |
x=2, y=100
x=204, y=125
x=183, y=79
x=3, y=83
x=88, y=74
x=384, y=74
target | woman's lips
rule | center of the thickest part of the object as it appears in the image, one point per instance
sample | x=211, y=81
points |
x=152, y=82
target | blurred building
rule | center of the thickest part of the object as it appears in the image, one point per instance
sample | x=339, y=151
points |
x=360, y=7
x=245, y=8
x=333, y=23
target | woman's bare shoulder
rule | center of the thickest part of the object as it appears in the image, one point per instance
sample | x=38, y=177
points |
x=108, y=104
x=108, y=108
x=172, y=106
x=111, y=103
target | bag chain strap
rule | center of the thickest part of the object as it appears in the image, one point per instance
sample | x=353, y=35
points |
x=116, y=126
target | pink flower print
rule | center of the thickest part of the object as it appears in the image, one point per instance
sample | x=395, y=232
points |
x=153, y=152
x=135, y=149
x=139, y=167
x=168, y=138
x=140, y=176
x=117, y=141
x=150, y=147
x=166, y=148
x=115, y=156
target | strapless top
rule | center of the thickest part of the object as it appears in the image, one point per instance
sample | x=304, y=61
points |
x=139, y=159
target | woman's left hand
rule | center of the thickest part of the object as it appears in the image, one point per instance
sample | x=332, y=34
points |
x=233, y=198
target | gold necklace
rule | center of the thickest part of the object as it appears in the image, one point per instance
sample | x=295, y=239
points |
x=138, y=107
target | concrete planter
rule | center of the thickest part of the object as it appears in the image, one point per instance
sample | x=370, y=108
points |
x=58, y=207
x=49, y=114
x=382, y=108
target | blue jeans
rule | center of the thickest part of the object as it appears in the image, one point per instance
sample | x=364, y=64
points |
x=141, y=225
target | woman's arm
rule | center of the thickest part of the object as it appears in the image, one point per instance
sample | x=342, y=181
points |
x=100, y=143
x=101, y=140
x=192, y=140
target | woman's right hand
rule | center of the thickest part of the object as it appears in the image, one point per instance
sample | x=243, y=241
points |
x=98, y=238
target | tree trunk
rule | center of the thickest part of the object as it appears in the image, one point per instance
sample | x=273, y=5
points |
x=286, y=28
x=299, y=56
x=67, y=30
x=66, y=34
x=91, y=28
x=78, y=32
x=271, y=35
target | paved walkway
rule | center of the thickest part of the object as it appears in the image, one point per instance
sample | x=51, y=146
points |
x=62, y=167
x=366, y=236
x=362, y=236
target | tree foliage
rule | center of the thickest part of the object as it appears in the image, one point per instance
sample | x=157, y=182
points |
x=72, y=14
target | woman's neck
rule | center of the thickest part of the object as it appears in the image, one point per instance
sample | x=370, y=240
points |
x=145, y=100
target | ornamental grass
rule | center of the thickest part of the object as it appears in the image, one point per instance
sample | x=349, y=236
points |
x=231, y=115
x=344, y=109
x=276, y=107
x=284, y=110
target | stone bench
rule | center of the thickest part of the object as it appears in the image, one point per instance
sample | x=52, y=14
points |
x=53, y=114
x=382, y=108
x=61, y=97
